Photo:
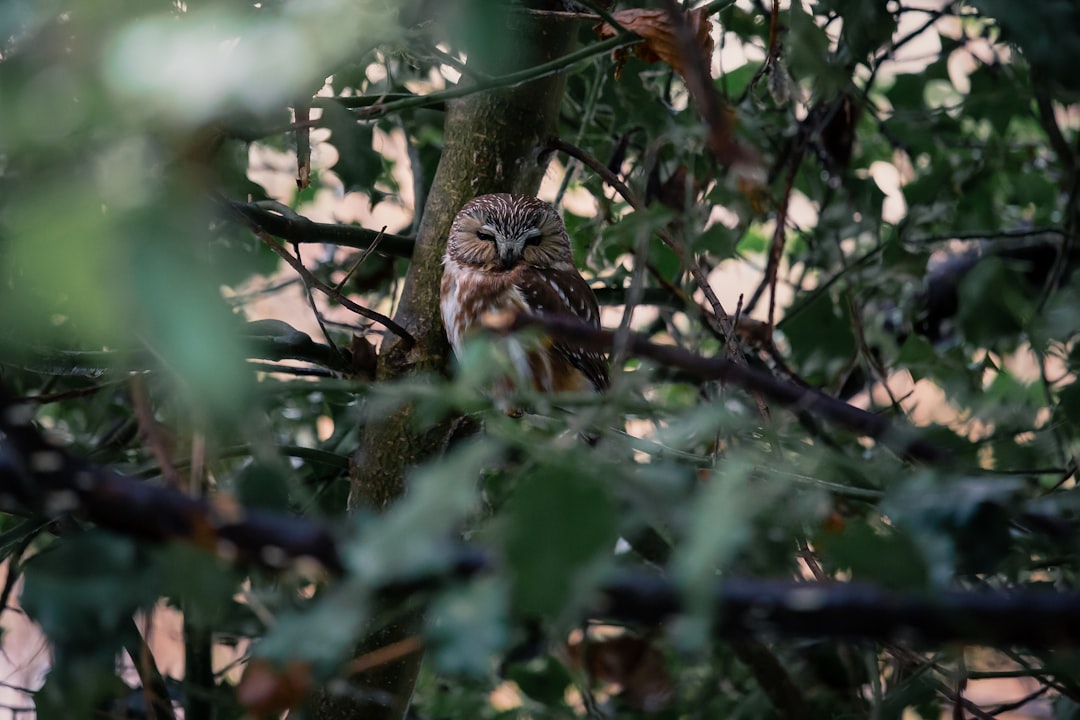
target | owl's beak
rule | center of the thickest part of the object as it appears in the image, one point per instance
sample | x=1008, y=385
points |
x=509, y=257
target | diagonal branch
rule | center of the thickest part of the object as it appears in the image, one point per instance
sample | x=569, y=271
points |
x=901, y=439
x=315, y=283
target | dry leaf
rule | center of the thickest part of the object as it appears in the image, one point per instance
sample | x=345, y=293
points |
x=833, y=124
x=692, y=61
x=661, y=40
x=364, y=357
x=266, y=689
x=630, y=662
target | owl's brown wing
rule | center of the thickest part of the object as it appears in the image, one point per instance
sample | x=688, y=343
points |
x=549, y=291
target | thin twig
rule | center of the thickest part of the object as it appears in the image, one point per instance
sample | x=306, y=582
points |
x=315, y=310
x=463, y=68
x=505, y=81
x=299, y=229
x=151, y=432
x=776, y=251
x=302, y=111
x=364, y=255
x=155, y=693
x=386, y=654
x=1048, y=120
x=322, y=287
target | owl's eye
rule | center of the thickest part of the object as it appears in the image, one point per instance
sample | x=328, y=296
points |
x=534, y=239
x=485, y=236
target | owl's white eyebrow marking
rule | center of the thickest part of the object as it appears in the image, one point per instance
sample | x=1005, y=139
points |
x=531, y=232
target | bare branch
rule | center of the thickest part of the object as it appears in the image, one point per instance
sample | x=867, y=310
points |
x=302, y=230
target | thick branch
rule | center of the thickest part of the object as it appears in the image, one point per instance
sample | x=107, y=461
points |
x=750, y=608
x=301, y=230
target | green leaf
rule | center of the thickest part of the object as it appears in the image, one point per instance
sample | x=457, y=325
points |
x=201, y=584
x=324, y=633
x=868, y=24
x=959, y=525
x=414, y=536
x=466, y=627
x=1048, y=34
x=544, y=679
x=111, y=575
x=810, y=56
x=559, y=521
x=879, y=555
x=995, y=304
x=822, y=342
x=259, y=485
x=720, y=523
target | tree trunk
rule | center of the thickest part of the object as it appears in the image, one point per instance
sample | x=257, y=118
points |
x=493, y=143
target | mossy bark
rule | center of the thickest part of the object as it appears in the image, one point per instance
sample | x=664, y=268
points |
x=494, y=142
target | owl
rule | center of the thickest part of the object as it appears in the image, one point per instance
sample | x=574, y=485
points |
x=510, y=253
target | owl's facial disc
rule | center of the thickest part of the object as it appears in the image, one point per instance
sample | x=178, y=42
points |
x=511, y=248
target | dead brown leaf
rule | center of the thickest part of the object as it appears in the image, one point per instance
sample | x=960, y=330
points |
x=266, y=689
x=634, y=665
x=661, y=43
x=682, y=40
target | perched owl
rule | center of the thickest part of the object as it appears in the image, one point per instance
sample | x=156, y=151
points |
x=510, y=253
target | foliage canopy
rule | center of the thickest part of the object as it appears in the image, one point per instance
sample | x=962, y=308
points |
x=899, y=180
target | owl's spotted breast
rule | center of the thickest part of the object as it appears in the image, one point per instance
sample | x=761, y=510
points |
x=467, y=295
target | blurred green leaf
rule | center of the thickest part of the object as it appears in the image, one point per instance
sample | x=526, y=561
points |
x=543, y=679
x=821, y=341
x=560, y=519
x=414, y=536
x=466, y=627
x=883, y=556
x=112, y=575
x=995, y=303
x=867, y=24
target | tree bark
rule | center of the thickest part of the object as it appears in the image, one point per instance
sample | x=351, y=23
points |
x=494, y=142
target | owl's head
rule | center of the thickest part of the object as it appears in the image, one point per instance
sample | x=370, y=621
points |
x=498, y=232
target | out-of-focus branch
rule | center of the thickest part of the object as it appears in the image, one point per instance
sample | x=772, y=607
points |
x=36, y=475
x=747, y=608
x=744, y=607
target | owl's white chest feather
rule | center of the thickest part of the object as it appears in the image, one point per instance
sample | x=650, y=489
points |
x=467, y=295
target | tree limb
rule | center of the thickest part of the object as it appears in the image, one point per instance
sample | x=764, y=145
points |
x=299, y=229
x=902, y=440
